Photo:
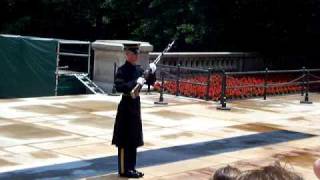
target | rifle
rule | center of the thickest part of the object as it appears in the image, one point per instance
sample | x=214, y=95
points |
x=135, y=91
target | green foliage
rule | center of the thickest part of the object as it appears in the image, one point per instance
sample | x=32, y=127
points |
x=218, y=25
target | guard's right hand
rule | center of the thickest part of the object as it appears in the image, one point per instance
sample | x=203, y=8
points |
x=141, y=81
x=153, y=67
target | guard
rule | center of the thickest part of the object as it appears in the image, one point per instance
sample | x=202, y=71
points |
x=127, y=135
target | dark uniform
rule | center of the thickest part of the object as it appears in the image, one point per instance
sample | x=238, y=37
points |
x=127, y=135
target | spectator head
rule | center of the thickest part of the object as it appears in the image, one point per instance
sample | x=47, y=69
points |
x=316, y=168
x=226, y=173
x=272, y=172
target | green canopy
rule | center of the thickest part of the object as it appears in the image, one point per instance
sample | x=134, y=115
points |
x=27, y=67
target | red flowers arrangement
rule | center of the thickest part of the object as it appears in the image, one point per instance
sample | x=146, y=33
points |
x=250, y=86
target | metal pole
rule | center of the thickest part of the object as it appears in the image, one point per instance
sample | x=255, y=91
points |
x=57, y=70
x=162, y=89
x=208, y=84
x=89, y=58
x=114, y=91
x=148, y=91
x=223, y=97
x=178, y=81
x=265, y=85
x=304, y=80
x=307, y=86
x=161, y=102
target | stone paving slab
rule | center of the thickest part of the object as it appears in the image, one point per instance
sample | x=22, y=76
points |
x=59, y=134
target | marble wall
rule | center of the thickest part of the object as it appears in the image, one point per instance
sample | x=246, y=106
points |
x=108, y=52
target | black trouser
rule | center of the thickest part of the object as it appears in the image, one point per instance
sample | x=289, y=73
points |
x=126, y=159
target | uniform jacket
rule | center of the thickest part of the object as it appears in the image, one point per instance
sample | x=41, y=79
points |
x=128, y=126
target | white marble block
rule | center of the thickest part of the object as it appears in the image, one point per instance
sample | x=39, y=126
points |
x=108, y=52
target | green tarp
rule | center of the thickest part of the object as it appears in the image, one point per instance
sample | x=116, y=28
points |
x=69, y=85
x=27, y=68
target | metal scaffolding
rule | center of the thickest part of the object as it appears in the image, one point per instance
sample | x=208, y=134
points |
x=83, y=77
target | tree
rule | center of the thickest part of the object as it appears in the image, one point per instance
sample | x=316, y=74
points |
x=267, y=26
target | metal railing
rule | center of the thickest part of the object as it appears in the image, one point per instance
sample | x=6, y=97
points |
x=178, y=75
x=181, y=75
x=305, y=83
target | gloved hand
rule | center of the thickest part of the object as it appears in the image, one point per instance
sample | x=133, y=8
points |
x=153, y=67
x=141, y=81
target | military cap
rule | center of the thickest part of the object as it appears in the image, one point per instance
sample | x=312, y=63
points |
x=132, y=47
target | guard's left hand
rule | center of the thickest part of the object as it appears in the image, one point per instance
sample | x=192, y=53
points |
x=153, y=67
x=141, y=81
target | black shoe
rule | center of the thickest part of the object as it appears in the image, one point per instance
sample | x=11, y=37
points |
x=138, y=172
x=132, y=174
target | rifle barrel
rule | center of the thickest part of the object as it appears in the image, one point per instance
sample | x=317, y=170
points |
x=166, y=50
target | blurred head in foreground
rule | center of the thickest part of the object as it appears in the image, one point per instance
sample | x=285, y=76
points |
x=272, y=172
x=226, y=173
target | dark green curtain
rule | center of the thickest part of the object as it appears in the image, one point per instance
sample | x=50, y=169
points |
x=27, y=66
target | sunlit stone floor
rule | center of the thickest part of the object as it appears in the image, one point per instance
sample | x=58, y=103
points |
x=70, y=137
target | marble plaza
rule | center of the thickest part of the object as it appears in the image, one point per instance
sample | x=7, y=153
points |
x=70, y=137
